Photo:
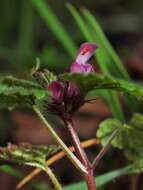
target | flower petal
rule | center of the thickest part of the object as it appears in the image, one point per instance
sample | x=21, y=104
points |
x=81, y=68
x=72, y=90
x=57, y=90
x=85, y=52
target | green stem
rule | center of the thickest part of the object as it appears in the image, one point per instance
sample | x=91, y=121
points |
x=106, y=147
x=53, y=178
x=69, y=154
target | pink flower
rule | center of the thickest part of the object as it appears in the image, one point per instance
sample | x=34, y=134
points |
x=67, y=93
x=84, y=54
x=81, y=68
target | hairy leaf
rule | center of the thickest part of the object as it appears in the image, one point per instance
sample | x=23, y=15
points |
x=50, y=76
x=27, y=154
x=44, y=78
x=105, y=130
x=12, y=81
x=88, y=82
x=14, y=96
x=129, y=139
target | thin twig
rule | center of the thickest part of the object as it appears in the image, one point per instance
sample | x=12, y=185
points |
x=106, y=147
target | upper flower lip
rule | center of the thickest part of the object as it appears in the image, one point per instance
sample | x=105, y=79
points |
x=85, y=52
x=78, y=66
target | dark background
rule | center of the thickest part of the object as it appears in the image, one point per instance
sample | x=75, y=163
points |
x=24, y=35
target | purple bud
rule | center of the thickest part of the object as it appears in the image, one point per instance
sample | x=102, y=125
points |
x=72, y=90
x=85, y=52
x=57, y=90
x=81, y=68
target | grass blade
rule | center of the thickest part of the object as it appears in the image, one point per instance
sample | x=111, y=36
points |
x=16, y=173
x=25, y=43
x=54, y=24
x=106, y=44
x=103, y=179
x=112, y=98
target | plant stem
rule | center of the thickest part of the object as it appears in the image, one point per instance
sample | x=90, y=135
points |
x=69, y=154
x=106, y=147
x=53, y=178
x=89, y=177
x=134, y=182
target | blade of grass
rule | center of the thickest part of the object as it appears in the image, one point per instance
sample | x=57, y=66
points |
x=16, y=173
x=112, y=98
x=54, y=24
x=106, y=44
x=25, y=43
x=87, y=34
x=117, y=63
x=103, y=179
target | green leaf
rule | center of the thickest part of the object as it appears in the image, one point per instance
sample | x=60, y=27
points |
x=12, y=101
x=137, y=120
x=129, y=140
x=23, y=93
x=103, y=179
x=44, y=78
x=12, y=81
x=106, y=128
x=27, y=154
x=50, y=76
x=88, y=82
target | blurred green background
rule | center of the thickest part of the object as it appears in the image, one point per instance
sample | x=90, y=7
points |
x=46, y=29
x=25, y=34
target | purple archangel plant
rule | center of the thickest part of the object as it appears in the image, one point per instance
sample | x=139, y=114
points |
x=67, y=98
x=63, y=99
